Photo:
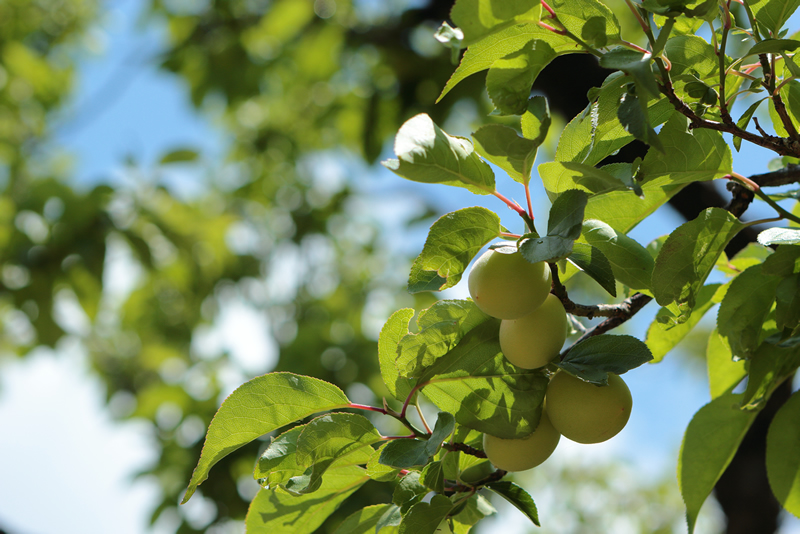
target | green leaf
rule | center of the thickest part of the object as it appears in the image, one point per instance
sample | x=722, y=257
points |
x=482, y=55
x=440, y=327
x=427, y=154
x=377, y=471
x=452, y=243
x=477, y=507
x=563, y=228
x=445, y=424
x=405, y=453
x=279, y=512
x=424, y=518
x=779, y=236
x=771, y=15
x=597, y=133
x=391, y=334
x=691, y=55
x=637, y=65
x=330, y=440
x=695, y=156
x=592, y=359
x=480, y=18
x=710, y=441
x=783, y=455
x=409, y=491
x=787, y=303
x=769, y=366
x=485, y=392
x=723, y=373
x=278, y=462
x=745, y=308
x=510, y=78
x=593, y=262
x=634, y=119
x=785, y=261
x=258, y=407
x=365, y=520
x=590, y=20
x=181, y=155
x=505, y=148
x=688, y=256
x=630, y=261
x=518, y=497
x=432, y=476
x=773, y=46
x=535, y=122
x=391, y=518
x=662, y=338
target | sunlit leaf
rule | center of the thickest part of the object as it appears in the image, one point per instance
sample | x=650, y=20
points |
x=258, y=407
x=783, y=455
x=710, y=441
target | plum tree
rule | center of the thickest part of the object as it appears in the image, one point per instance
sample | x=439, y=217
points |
x=532, y=341
x=586, y=413
x=525, y=453
x=505, y=285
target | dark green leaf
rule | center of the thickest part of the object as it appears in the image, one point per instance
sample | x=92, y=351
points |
x=278, y=462
x=548, y=248
x=390, y=519
x=405, y=452
x=744, y=309
x=518, y=497
x=409, y=491
x=688, y=256
x=595, y=357
x=785, y=261
x=711, y=440
x=258, y=407
x=632, y=116
x=637, y=65
x=476, y=508
x=452, y=243
x=425, y=153
x=445, y=424
x=432, y=477
x=773, y=46
x=783, y=455
x=424, y=518
x=593, y=262
x=566, y=214
x=787, y=303
x=377, y=471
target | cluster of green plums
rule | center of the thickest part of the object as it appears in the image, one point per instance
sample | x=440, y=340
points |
x=533, y=330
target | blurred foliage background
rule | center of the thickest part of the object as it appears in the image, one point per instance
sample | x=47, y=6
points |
x=308, y=92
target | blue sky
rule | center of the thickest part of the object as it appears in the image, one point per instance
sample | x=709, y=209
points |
x=65, y=450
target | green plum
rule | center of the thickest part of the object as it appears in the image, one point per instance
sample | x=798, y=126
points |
x=505, y=285
x=524, y=453
x=586, y=413
x=535, y=339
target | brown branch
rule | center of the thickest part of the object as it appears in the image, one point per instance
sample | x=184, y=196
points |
x=583, y=310
x=787, y=175
x=463, y=447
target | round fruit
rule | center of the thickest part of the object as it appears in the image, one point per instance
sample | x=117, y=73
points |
x=586, y=413
x=534, y=340
x=504, y=285
x=525, y=453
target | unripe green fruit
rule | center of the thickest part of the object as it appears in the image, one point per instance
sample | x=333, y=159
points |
x=525, y=453
x=506, y=286
x=586, y=413
x=534, y=340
